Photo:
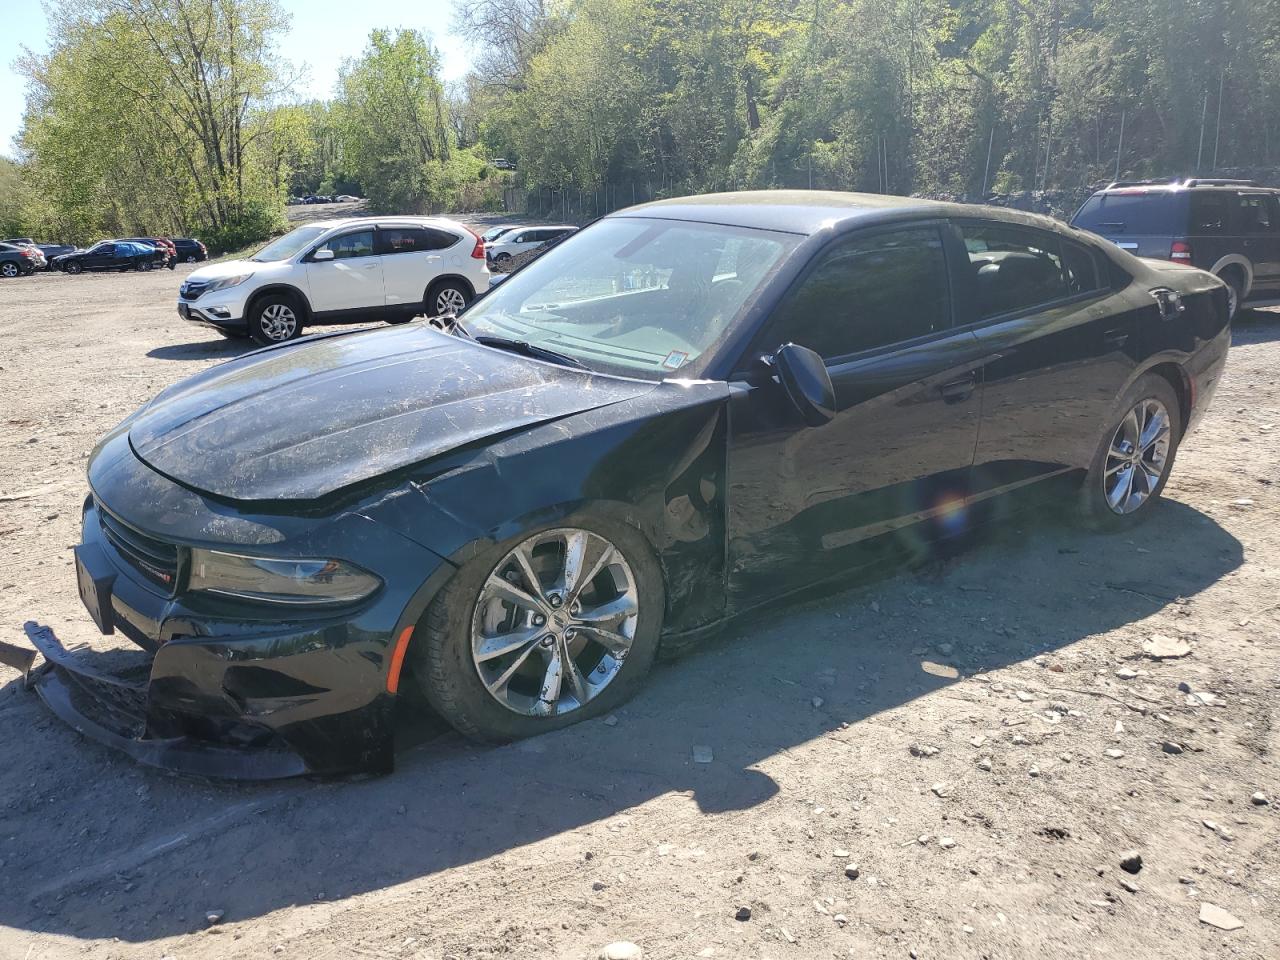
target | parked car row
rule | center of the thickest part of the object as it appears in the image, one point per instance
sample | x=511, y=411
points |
x=321, y=198
x=504, y=242
x=132, y=253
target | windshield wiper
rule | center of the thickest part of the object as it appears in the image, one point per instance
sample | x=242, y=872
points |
x=529, y=350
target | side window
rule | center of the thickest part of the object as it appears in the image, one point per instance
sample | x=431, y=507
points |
x=869, y=292
x=401, y=240
x=438, y=239
x=1013, y=268
x=1253, y=213
x=413, y=240
x=1209, y=213
x=1081, y=268
x=351, y=245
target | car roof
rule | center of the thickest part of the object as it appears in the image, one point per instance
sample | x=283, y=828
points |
x=384, y=221
x=810, y=211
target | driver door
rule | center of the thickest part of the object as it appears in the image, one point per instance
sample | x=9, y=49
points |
x=806, y=503
x=352, y=280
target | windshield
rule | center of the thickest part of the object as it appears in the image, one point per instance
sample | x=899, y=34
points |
x=291, y=244
x=495, y=233
x=633, y=296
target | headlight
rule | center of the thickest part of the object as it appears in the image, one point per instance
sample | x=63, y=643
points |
x=224, y=282
x=279, y=581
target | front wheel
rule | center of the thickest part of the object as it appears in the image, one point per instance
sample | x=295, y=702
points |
x=539, y=633
x=274, y=319
x=73, y=268
x=144, y=266
x=9, y=269
x=1133, y=460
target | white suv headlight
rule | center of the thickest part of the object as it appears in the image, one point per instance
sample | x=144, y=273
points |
x=223, y=282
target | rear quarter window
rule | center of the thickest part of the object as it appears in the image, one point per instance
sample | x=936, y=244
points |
x=1134, y=214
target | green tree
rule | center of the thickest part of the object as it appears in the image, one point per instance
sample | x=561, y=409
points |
x=394, y=124
x=144, y=116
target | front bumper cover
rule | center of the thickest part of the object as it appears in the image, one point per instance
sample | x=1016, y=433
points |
x=113, y=710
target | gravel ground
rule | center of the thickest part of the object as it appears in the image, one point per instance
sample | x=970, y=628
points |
x=982, y=739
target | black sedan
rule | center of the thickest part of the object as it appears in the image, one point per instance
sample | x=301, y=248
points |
x=108, y=255
x=687, y=410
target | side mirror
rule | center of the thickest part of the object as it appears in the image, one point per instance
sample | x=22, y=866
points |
x=806, y=382
x=324, y=253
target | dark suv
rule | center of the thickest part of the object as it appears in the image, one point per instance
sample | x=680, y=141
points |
x=1229, y=227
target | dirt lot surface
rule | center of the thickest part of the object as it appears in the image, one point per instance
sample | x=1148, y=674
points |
x=964, y=734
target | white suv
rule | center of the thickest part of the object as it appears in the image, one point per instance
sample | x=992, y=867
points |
x=340, y=271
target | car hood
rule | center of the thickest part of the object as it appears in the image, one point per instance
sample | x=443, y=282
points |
x=300, y=421
x=228, y=268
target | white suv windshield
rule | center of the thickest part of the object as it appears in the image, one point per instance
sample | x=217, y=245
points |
x=633, y=296
x=292, y=243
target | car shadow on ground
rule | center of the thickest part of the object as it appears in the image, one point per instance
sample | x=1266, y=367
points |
x=95, y=846
x=221, y=348
x=1255, y=325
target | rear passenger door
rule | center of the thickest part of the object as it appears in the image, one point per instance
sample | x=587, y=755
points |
x=1056, y=350
x=1257, y=221
x=412, y=257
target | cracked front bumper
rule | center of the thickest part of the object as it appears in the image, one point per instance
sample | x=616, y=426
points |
x=113, y=710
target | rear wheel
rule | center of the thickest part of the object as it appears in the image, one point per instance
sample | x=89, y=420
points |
x=536, y=634
x=1133, y=460
x=1234, y=279
x=446, y=298
x=274, y=319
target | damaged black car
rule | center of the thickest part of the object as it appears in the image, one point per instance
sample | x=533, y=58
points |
x=687, y=410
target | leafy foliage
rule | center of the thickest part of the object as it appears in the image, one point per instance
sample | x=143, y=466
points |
x=895, y=95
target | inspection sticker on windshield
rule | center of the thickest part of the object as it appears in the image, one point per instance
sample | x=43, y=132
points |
x=675, y=360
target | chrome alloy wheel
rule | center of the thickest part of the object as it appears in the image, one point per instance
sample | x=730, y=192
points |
x=278, y=322
x=450, y=300
x=554, y=622
x=1138, y=456
x=8, y=269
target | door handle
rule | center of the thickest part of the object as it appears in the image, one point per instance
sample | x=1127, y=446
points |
x=1116, y=338
x=957, y=391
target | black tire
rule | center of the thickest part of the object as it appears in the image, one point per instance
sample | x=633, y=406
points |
x=441, y=658
x=189, y=258
x=502, y=258
x=9, y=269
x=455, y=290
x=266, y=320
x=73, y=268
x=1095, y=508
x=1233, y=277
x=144, y=266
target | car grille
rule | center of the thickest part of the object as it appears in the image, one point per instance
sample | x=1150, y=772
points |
x=154, y=559
x=191, y=290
